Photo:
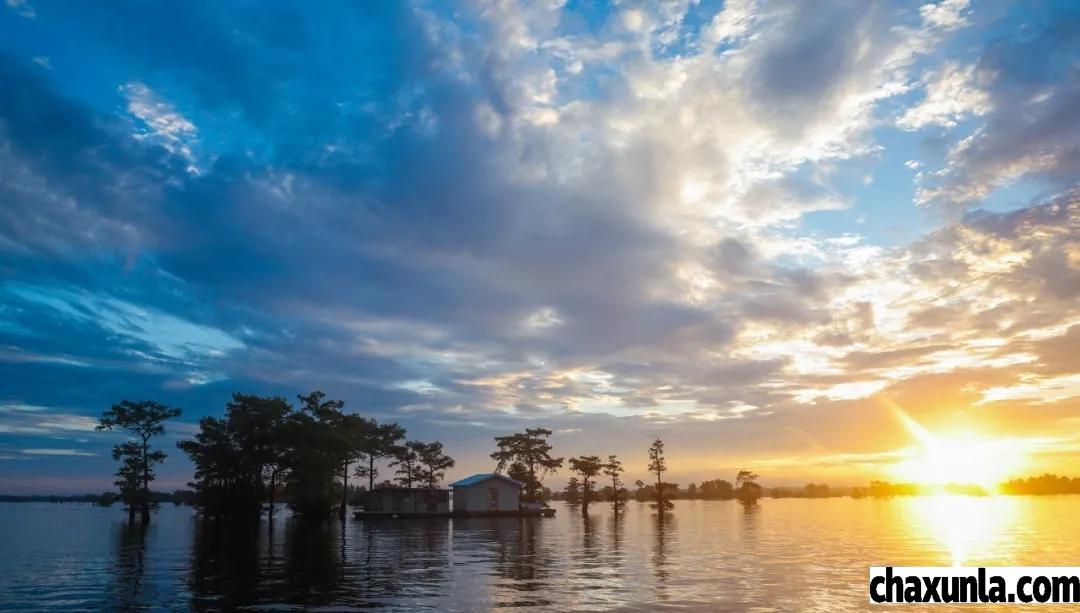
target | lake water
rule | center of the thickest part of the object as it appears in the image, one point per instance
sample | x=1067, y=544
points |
x=790, y=554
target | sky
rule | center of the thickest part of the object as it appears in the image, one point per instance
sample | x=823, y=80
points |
x=802, y=238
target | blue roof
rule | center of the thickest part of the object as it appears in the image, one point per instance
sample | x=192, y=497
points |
x=481, y=477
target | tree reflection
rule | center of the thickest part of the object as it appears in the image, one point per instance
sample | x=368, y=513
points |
x=313, y=570
x=225, y=564
x=665, y=526
x=618, y=526
x=391, y=557
x=128, y=589
x=519, y=555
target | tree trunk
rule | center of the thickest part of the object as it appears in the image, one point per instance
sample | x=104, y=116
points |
x=371, y=473
x=146, y=482
x=530, y=493
x=344, y=490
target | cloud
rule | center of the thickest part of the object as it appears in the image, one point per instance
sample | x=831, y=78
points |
x=22, y=8
x=1030, y=119
x=163, y=124
x=952, y=95
x=632, y=222
x=55, y=452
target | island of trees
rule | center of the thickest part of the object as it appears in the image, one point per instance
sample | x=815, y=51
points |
x=263, y=450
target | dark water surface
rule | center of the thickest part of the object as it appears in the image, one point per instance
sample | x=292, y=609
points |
x=781, y=555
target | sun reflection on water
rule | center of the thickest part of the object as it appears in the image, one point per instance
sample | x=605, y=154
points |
x=971, y=528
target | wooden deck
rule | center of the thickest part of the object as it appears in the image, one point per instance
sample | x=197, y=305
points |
x=452, y=514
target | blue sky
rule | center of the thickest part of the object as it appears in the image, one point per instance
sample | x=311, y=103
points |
x=755, y=228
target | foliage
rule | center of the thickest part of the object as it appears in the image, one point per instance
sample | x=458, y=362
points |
x=241, y=458
x=528, y=454
x=716, y=489
x=613, y=469
x=378, y=441
x=746, y=486
x=433, y=463
x=235, y=456
x=572, y=491
x=407, y=461
x=143, y=420
x=589, y=467
x=658, y=465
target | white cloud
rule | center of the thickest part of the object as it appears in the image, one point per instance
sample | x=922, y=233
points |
x=164, y=125
x=952, y=94
x=56, y=452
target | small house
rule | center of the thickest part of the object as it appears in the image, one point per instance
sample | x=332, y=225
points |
x=407, y=500
x=487, y=492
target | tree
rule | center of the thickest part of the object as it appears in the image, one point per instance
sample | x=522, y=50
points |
x=659, y=466
x=381, y=442
x=613, y=469
x=129, y=476
x=315, y=452
x=589, y=467
x=518, y=472
x=746, y=487
x=716, y=489
x=433, y=463
x=357, y=433
x=532, y=452
x=144, y=420
x=236, y=455
x=573, y=491
x=407, y=461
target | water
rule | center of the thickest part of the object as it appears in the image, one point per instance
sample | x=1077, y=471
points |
x=788, y=554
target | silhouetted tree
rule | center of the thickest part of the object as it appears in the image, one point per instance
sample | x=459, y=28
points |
x=746, y=487
x=129, y=476
x=716, y=489
x=235, y=455
x=573, y=490
x=316, y=451
x=518, y=472
x=358, y=433
x=1042, y=485
x=382, y=442
x=531, y=451
x=613, y=469
x=407, y=461
x=589, y=467
x=433, y=463
x=658, y=466
x=144, y=420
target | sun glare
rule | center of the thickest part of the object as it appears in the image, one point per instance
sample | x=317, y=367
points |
x=962, y=460
x=959, y=458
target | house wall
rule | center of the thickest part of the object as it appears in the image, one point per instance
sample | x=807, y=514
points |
x=475, y=497
x=409, y=501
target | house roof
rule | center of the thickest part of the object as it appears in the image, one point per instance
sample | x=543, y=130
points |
x=481, y=477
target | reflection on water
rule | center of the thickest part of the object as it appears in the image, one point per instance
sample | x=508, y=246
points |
x=966, y=526
x=778, y=554
x=127, y=588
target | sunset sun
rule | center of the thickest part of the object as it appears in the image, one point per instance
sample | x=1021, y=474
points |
x=960, y=456
x=961, y=459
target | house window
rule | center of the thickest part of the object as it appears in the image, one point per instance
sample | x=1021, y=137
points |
x=493, y=498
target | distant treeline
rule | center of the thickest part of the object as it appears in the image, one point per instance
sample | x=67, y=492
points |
x=1041, y=485
x=716, y=489
x=105, y=499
